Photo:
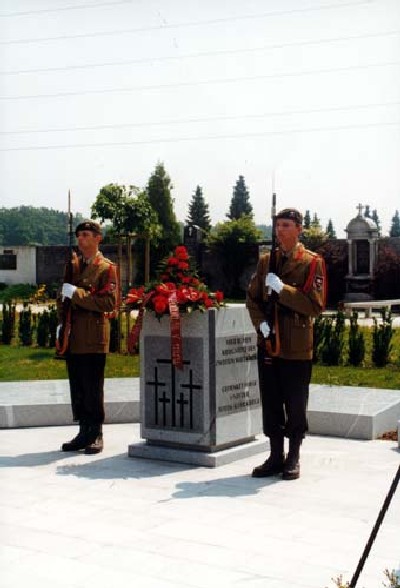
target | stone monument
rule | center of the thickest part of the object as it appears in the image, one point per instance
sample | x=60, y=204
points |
x=362, y=239
x=209, y=412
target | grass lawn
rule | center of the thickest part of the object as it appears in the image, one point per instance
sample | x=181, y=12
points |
x=34, y=363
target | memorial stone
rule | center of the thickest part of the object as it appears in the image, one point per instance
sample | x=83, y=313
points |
x=209, y=409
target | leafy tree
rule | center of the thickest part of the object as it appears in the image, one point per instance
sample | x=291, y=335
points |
x=330, y=231
x=159, y=194
x=307, y=220
x=130, y=213
x=231, y=241
x=314, y=237
x=198, y=211
x=395, y=228
x=26, y=225
x=240, y=203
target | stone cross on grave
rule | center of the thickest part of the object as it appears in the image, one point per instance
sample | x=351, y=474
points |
x=360, y=209
x=190, y=386
x=175, y=396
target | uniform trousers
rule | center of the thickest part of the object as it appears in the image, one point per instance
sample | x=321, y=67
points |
x=284, y=388
x=86, y=382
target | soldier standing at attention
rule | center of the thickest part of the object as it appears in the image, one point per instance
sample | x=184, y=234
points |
x=299, y=284
x=92, y=293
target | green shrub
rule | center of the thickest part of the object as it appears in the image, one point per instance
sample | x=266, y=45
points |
x=381, y=340
x=333, y=340
x=7, y=327
x=356, y=342
x=25, y=326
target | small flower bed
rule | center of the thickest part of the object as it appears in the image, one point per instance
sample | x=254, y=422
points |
x=179, y=284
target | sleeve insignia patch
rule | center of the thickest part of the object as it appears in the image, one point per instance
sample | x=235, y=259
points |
x=318, y=283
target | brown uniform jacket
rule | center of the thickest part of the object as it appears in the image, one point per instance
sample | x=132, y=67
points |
x=301, y=299
x=94, y=298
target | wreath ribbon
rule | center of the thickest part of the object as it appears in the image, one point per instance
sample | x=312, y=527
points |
x=176, y=336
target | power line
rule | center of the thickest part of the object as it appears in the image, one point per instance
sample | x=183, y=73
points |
x=203, y=119
x=196, y=23
x=65, y=8
x=203, y=54
x=201, y=82
x=200, y=138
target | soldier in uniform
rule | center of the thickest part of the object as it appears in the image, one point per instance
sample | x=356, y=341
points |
x=299, y=284
x=93, y=294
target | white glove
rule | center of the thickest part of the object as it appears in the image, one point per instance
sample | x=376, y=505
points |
x=273, y=282
x=58, y=331
x=265, y=330
x=67, y=291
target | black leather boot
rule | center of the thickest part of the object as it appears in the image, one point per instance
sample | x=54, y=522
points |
x=95, y=440
x=291, y=468
x=274, y=464
x=79, y=442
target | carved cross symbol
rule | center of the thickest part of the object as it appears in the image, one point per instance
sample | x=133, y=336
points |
x=360, y=209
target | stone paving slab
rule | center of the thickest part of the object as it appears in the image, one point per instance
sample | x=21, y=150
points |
x=47, y=403
x=107, y=520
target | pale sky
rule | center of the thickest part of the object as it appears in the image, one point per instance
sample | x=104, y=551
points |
x=306, y=91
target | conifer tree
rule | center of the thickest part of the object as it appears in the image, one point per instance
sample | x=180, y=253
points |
x=330, y=231
x=240, y=203
x=307, y=220
x=159, y=194
x=395, y=228
x=198, y=211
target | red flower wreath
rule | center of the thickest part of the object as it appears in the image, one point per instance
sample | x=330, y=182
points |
x=179, y=291
x=178, y=278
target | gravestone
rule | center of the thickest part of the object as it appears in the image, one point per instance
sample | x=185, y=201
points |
x=209, y=412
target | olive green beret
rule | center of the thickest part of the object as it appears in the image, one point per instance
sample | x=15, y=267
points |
x=88, y=225
x=292, y=214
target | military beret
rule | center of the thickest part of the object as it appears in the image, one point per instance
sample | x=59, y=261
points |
x=292, y=214
x=88, y=225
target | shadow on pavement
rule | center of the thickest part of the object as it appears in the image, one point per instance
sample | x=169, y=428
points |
x=32, y=459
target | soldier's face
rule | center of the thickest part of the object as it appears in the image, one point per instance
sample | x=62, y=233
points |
x=287, y=233
x=88, y=242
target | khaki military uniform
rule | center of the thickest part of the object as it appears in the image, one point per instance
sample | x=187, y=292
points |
x=91, y=303
x=94, y=299
x=302, y=298
x=284, y=380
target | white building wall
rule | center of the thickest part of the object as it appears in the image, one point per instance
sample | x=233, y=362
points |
x=26, y=265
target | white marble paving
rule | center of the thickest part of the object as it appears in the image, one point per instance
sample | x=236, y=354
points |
x=112, y=521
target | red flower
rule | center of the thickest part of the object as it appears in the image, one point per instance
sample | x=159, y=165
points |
x=160, y=304
x=173, y=261
x=219, y=296
x=162, y=290
x=208, y=302
x=182, y=265
x=195, y=281
x=181, y=252
x=134, y=295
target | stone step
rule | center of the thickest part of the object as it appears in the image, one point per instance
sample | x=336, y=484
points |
x=340, y=411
